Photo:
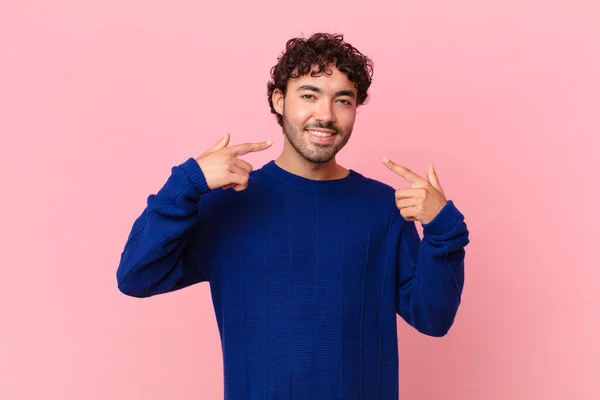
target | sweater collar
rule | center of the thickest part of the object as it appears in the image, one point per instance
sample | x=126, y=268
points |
x=305, y=184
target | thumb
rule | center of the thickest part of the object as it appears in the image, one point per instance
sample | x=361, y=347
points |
x=221, y=143
x=432, y=177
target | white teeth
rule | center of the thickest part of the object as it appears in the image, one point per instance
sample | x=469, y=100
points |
x=321, y=134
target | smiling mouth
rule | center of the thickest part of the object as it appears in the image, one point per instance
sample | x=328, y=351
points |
x=320, y=133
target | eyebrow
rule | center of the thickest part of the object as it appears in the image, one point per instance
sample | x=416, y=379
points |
x=312, y=88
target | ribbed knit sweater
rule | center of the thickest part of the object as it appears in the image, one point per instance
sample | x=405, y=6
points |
x=306, y=277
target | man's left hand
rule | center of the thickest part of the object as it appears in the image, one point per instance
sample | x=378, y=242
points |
x=424, y=200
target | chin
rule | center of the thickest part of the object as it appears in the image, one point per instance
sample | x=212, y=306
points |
x=318, y=158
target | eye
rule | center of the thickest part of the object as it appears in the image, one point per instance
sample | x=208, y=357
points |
x=345, y=102
x=306, y=96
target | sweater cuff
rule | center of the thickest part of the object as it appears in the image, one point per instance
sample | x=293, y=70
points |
x=444, y=221
x=195, y=175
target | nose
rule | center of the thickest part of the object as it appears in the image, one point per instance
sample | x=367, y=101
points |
x=324, y=112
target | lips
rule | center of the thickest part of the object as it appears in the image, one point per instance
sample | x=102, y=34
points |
x=321, y=136
x=320, y=133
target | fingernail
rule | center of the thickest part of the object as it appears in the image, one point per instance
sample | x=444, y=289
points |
x=385, y=159
x=269, y=142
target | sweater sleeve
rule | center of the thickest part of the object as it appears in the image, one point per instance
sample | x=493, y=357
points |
x=171, y=243
x=431, y=271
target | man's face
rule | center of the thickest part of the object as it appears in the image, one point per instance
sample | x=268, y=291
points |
x=318, y=114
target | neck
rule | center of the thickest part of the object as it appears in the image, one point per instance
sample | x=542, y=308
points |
x=293, y=162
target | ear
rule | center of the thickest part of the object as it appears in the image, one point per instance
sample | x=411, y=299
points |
x=278, y=100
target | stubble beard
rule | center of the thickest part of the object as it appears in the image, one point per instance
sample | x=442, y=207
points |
x=313, y=152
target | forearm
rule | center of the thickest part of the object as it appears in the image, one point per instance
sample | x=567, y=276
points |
x=153, y=259
x=429, y=297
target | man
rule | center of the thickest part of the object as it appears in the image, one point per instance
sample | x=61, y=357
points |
x=308, y=262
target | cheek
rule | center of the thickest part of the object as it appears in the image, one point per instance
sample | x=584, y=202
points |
x=298, y=114
x=346, y=120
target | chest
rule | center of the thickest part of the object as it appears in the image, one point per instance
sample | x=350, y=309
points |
x=307, y=239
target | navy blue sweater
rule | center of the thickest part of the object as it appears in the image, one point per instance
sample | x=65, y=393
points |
x=306, y=277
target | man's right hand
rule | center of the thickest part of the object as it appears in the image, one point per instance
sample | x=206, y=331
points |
x=223, y=169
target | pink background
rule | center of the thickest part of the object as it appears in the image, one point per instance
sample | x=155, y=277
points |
x=98, y=99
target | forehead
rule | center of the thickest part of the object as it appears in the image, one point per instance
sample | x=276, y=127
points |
x=333, y=80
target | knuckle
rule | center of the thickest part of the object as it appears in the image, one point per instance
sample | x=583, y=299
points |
x=224, y=152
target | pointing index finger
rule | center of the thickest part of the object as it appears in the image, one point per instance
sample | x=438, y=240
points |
x=404, y=172
x=246, y=148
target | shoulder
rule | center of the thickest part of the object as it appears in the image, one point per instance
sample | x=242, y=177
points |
x=221, y=199
x=377, y=187
x=379, y=194
x=381, y=187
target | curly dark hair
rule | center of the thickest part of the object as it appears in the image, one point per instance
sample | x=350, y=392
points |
x=319, y=50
